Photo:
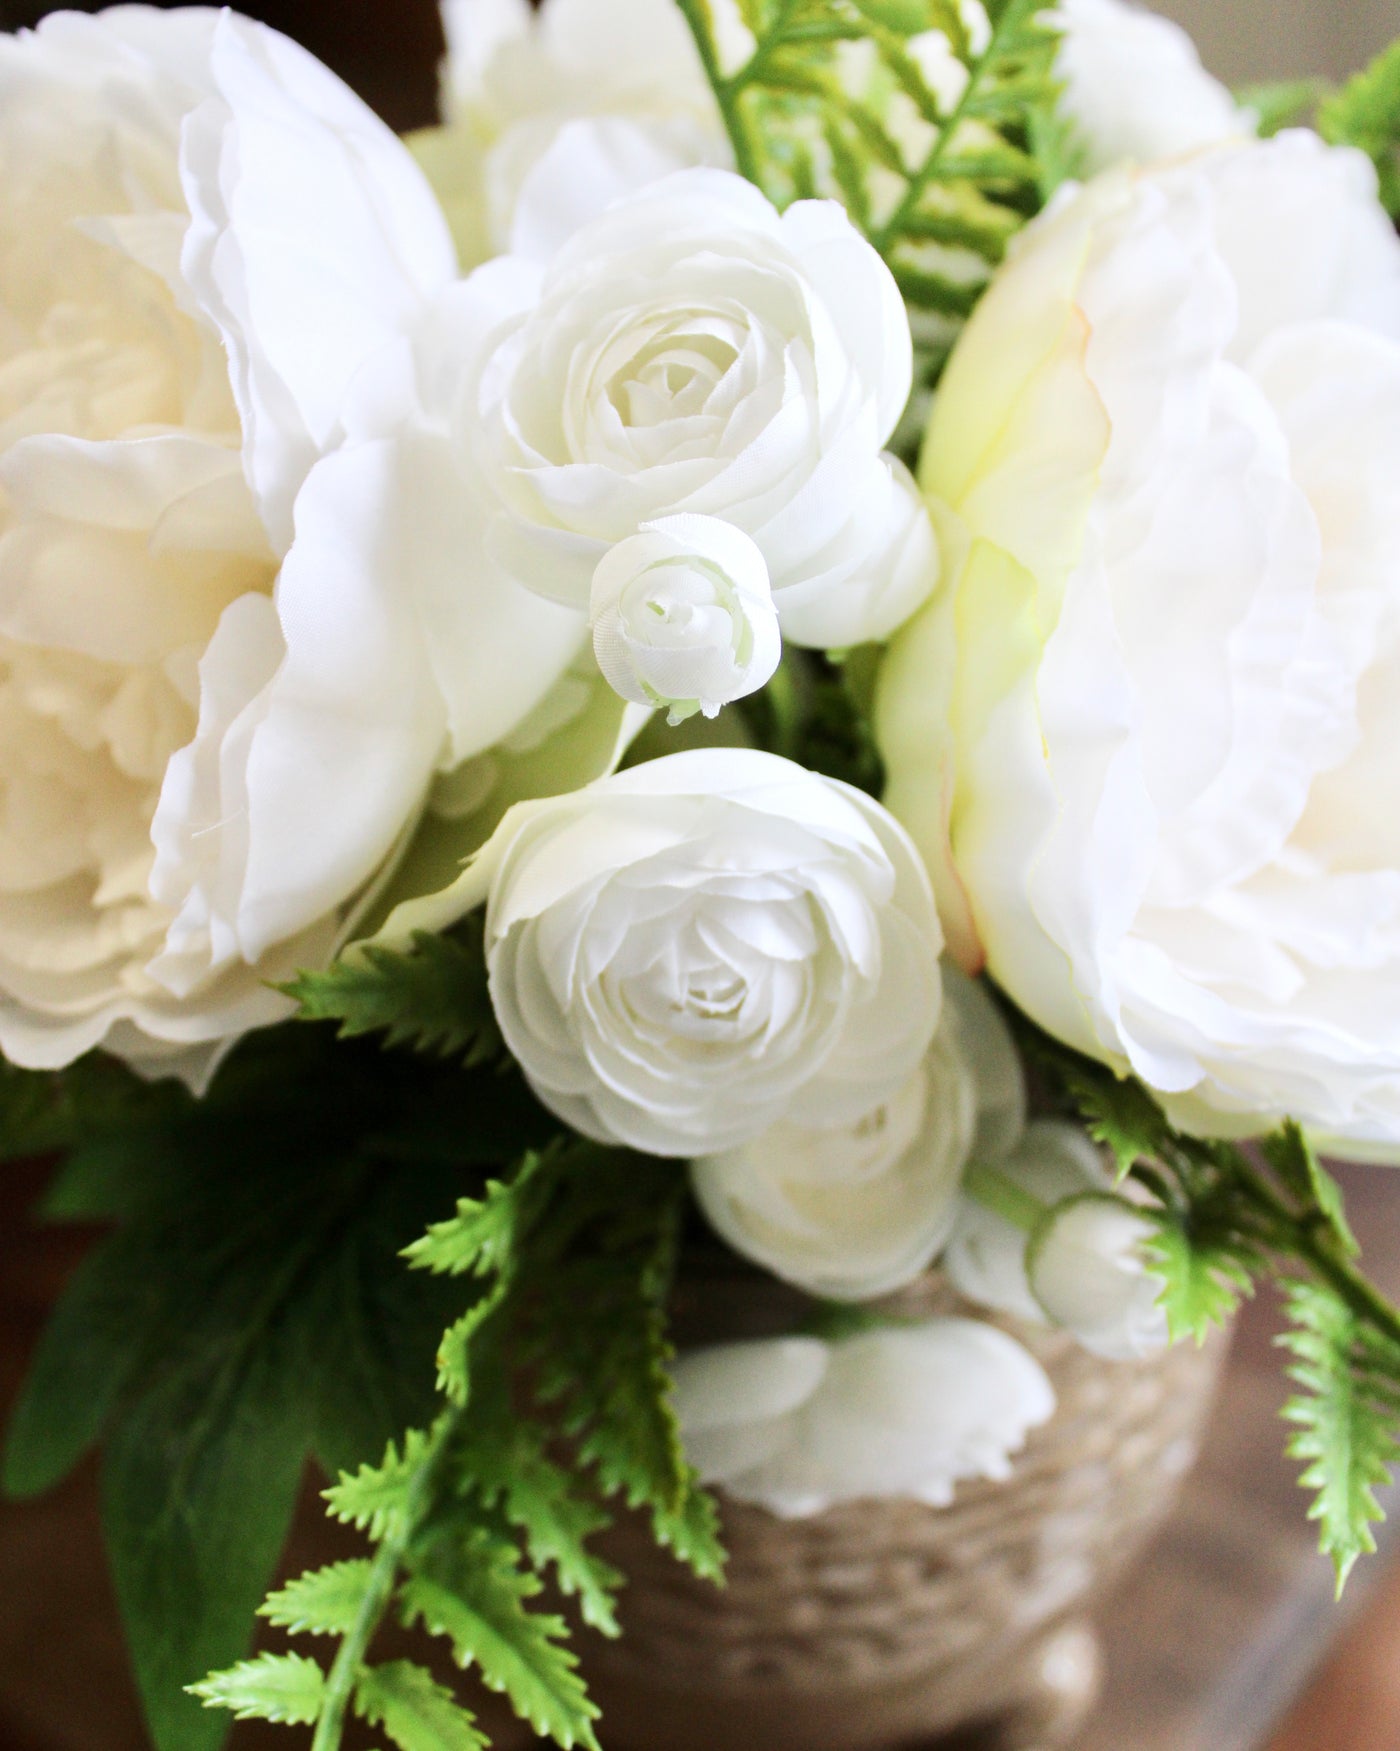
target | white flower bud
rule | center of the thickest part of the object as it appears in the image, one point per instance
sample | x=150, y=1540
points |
x=683, y=616
x=1089, y=1269
x=797, y=1425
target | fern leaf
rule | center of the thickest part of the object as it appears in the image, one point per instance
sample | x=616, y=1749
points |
x=1295, y=1161
x=323, y=1601
x=286, y=1688
x=1365, y=113
x=509, y=1469
x=486, y=1233
x=1206, y=1263
x=416, y=1713
x=375, y=1498
x=1117, y=1110
x=433, y=998
x=1347, y=1418
x=475, y=1595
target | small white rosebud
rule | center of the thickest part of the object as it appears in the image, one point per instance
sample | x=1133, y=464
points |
x=1089, y=1269
x=683, y=616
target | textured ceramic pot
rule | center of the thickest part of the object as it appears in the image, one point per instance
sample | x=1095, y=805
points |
x=888, y=1624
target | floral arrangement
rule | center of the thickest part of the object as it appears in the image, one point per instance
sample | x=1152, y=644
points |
x=514, y=790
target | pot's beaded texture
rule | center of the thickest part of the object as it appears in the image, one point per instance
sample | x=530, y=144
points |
x=887, y=1623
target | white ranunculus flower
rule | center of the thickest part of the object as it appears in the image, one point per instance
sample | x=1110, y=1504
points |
x=857, y=1210
x=692, y=351
x=219, y=629
x=1135, y=87
x=683, y=952
x=797, y=1425
x=1142, y=736
x=1088, y=1267
x=683, y=616
x=517, y=77
x=985, y=1260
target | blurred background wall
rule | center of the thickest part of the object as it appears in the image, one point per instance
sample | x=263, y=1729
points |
x=387, y=48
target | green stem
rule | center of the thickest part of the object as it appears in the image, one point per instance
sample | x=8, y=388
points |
x=995, y=1192
x=1309, y=1237
x=727, y=91
x=379, y=1591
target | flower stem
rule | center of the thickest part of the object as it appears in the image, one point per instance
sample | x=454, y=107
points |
x=995, y=1192
x=727, y=91
x=349, y=1661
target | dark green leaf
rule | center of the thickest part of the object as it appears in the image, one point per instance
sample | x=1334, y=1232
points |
x=433, y=997
x=1295, y=1161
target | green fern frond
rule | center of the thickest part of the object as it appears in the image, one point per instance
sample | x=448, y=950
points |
x=1346, y=1415
x=414, y=1710
x=1207, y=1266
x=375, y=1498
x=323, y=1601
x=1365, y=113
x=432, y=997
x=938, y=161
x=474, y=1590
x=285, y=1688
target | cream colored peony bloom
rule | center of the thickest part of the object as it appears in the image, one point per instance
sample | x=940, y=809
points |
x=231, y=642
x=1135, y=87
x=1146, y=738
x=798, y=1426
x=517, y=83
x=682, y=953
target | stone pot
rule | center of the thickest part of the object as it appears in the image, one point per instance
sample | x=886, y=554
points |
x=888, y=1624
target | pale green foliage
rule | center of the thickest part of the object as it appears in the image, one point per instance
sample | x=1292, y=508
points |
x=320, y=1602
x=432, y=997
x=1365, y=113
x=474, y=1589
x=1283, y=103
x=1346, y=1416
x=287, y=1688
x=1206, y=1265
x=414, y=1710
x=372, y=1499
x=835, y=100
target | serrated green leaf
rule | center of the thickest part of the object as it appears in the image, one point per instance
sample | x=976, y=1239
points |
x=417, y=1713
x=474, y=1592
x=286, y=1688
x=1346, y=1418
x=1117, y=1110
x=486, y=1233
x=1206, y=1270
x=1365, y=113
x=432, y=997
x=323, y=1601
x=374, y=1498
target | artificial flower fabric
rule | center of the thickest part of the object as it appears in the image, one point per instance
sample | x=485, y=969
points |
x=798, y=1426
x=856, y=1210
x=681, y=953
x=1089, y=1266
x=683, y=616
x=691, y=350
x=223, y=704
x=617, y=82
x=1141, y=737
x=1135, y=88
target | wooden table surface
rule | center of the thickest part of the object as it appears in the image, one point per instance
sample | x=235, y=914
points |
x=1210, y=1642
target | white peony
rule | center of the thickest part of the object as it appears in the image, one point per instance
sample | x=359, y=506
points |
x=1134, y=85
x=228, y=660
x=1146, y=737
x=518, y=79
x=856, y=1210
x=683, y=616
x=798, y=1426
x=1090, y=1269
x=683, y=952
x=691, y=350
